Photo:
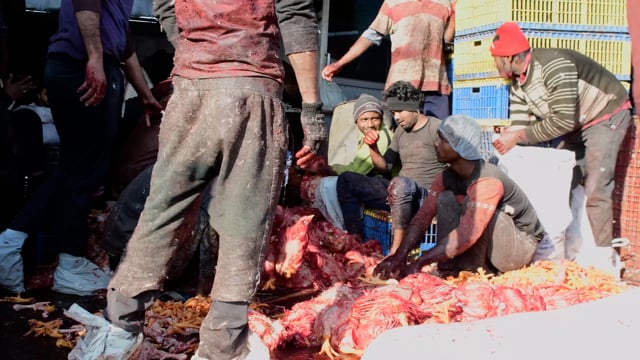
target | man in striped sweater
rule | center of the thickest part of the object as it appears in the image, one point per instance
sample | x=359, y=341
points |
x=562, y=94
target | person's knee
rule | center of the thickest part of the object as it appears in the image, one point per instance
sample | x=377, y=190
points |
x=446, y=197
x=401, y=188
x=345, y=183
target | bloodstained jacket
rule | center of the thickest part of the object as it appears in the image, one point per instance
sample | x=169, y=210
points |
x=232, y=38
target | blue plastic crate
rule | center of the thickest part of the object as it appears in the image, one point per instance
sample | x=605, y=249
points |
x=376, y=225
x=481, y=99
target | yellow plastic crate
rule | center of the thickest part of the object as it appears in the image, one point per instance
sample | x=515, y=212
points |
x=613, y=51
x=579, y=15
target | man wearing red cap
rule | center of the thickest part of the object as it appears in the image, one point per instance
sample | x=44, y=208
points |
x=561, y=93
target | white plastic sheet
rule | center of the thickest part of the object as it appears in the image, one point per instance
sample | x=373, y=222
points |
x=103, y=340
x=544, y=174
x=603, y=329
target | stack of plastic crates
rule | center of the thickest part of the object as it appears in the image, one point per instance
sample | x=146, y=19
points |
x=377, y=225
x=596, y=28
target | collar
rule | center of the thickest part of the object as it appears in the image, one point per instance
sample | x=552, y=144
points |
x=527, y=62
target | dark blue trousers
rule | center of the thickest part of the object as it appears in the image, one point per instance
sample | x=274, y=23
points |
x=87, y=135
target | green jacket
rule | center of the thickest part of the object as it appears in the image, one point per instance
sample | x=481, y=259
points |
x=362, y=162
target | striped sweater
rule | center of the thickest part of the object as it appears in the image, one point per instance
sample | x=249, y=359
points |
x=566, y=90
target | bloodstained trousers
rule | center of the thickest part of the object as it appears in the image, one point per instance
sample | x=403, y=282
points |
x=502, y=246
x=596, y=150
x=230, y=132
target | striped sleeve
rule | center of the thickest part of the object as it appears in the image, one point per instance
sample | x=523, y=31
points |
x=519, y=113
x=560, y=82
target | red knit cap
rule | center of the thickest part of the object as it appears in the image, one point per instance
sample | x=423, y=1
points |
x=509, y=40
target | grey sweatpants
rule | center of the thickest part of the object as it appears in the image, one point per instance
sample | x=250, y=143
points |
x=596, y=150
x=232, y=133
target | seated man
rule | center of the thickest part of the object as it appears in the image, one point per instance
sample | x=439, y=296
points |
x=484, y=219
x=367, y=116
x=412, y=150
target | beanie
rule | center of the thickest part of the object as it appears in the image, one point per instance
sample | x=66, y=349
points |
x=509, y=40
x=463, y=134
x=364, y=104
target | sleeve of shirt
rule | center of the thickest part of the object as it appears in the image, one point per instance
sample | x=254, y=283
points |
x=298, y=25
x=519, y=113
x=373, y=36
x=164, y=11
x=561, y=81
x=483, y=197
x=382, y=24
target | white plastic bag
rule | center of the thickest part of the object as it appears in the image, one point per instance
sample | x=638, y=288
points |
x=326, y=200
x=103, y=340
x=544, y=174
x=78, y=276
x=330, y=94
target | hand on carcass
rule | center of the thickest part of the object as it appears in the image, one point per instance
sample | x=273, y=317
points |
x=393, y=266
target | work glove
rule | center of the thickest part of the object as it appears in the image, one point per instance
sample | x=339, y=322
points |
x=312, y=120
x=315, y=133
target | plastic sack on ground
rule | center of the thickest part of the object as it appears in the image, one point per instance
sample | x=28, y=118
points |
x=544, y=174
x=103, y=340
x=326, y=200
x=78, y=276
x=580, y=244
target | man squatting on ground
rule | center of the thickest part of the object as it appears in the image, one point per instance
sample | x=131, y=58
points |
x=225, y=126
x=484, y=219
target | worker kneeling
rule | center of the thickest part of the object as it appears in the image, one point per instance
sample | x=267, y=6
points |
x=484, y=219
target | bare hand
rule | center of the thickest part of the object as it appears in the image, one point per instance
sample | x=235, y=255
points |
x=506, y=142
x=95, y=84
x=416, y=266
x=17, y=88
x=393, y=266
x=305, y=157
x=152, y=109
x=371, y=137
x=330, y=70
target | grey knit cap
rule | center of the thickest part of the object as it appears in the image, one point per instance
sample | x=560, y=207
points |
x=464, y=135
x=366, y=103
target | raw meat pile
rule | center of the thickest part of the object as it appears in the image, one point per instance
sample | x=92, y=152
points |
x=308, y=255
